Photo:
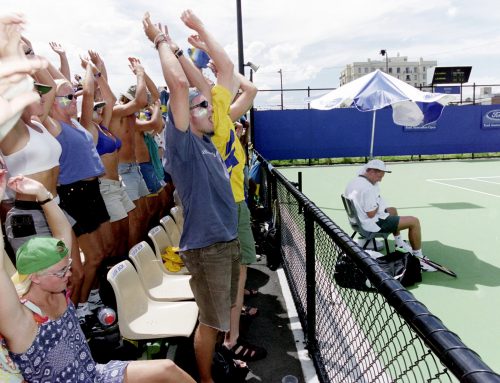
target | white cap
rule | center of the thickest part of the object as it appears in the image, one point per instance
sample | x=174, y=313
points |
x=376, y=164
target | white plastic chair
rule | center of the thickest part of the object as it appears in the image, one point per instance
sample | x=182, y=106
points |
x=158, y=285
x=161, y=241
x=140, y=317
x=171, y=229
x=177, y=214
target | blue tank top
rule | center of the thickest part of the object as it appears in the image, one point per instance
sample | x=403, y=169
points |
x=79, y=159
x=105, y=143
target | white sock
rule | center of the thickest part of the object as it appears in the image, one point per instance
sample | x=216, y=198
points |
x=418, y=253
x=398, y=239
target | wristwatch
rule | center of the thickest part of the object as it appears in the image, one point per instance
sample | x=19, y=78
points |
x=49, y=198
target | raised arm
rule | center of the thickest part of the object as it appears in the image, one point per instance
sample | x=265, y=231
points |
x=140, y=100
x=88, y=94
x=216, y=52
x=61, y=52
x=154, y=123
x=102, y=82
x=245, y=99
x=175, y=77
x=151, y=86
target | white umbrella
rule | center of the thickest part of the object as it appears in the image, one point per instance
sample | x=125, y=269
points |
x=377, y=90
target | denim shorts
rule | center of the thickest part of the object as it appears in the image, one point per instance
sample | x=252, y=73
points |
x=245, y=235
x=115, y=197
x=148, y=172
x=132, y=180
x=215, y=271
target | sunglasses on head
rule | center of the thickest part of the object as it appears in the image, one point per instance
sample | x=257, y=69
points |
x=70, y=96
x=203, y=104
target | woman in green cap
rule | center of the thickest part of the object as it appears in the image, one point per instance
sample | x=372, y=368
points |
x=38, y=322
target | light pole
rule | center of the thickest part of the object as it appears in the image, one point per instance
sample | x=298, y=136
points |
x=383, y=52
x=281, y=86
x=253, y=68
x=239, y=23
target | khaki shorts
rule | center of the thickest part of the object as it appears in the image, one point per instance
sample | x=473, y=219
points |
x=132, y=180
x=116, y=199
x=215, y=271
x=245, y=235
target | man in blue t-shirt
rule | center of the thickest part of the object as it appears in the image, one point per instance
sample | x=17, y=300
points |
x=209, y=244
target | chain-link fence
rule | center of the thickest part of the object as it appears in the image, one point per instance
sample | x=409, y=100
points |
x=355, y=334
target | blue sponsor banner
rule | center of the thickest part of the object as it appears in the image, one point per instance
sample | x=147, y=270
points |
x=491, y=119
x=447, y=89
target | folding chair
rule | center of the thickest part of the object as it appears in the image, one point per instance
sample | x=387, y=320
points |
x=161, y=241
x=140, y=317
x=157, y=284
x=356, y=225
x=177, y=214
x=171, y=229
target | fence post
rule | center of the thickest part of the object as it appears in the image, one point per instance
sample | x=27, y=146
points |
x=474, y=93
x=310, y=281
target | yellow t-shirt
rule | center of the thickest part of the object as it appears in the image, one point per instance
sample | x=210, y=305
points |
x=226, y=141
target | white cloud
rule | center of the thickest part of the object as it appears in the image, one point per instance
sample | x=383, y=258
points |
x=310, y=41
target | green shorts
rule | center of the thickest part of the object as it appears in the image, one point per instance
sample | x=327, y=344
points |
x=389, y=224
x=245, y=235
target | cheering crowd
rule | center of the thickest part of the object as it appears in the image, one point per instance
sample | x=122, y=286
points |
x=88, y=179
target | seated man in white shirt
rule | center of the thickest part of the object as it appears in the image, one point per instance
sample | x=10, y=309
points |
x=376, y=216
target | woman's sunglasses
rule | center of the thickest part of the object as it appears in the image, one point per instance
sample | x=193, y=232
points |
x=203, y=104
x=70, y=96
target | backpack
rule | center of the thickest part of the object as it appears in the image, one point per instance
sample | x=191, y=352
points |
x=404, y=267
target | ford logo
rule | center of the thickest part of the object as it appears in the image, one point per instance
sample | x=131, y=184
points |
x=494, y=114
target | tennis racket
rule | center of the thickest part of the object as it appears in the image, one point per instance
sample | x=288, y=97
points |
x=439, y=267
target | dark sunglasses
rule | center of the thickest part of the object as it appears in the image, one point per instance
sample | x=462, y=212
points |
x=203, y=104
x=70, y=96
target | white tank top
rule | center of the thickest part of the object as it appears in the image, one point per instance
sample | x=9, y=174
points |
x=41, y=153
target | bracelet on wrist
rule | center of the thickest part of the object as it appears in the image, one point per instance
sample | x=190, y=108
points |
x=178, y=52
x=97, y=75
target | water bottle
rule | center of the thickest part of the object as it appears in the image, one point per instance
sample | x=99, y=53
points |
x=106, y=316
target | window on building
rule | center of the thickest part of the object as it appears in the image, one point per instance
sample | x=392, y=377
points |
x=398, y=70
x=366, y=70
x=408, y=77
x=423, y=69
x=415, y=76
x=407, y=70
x=390, y=70
x=359, y=70
x=415, y=69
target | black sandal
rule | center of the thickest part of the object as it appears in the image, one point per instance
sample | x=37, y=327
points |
x=247, y=352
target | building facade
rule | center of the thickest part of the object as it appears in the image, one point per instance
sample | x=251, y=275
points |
x=411, y=72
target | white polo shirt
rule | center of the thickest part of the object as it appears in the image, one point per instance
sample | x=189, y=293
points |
x=366, y=198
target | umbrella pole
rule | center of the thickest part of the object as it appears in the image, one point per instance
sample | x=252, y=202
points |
x=373, y=133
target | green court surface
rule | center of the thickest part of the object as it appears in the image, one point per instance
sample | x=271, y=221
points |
x=458, y=204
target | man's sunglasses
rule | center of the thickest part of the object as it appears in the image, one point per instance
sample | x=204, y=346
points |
x=203, y=104
x=70, y=96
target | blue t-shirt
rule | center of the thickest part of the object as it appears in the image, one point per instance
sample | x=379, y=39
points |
x=79, y=159
x=202, y=181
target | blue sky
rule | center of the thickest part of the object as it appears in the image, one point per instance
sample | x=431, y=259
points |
x=311, y=41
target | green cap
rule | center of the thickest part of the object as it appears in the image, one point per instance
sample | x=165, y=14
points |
x=42, y=88
x=38, y=254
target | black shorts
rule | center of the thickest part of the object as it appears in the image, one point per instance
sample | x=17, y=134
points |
x=389, y=224
x=83, y=201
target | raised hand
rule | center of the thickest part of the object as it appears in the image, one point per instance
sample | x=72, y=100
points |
x=197, y=42
x=58, y=48
x=95, y=58
x=84, y=61
x=150, y=29
x=191, y=20
x=135, y=65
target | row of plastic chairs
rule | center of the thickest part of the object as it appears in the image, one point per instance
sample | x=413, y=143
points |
x=152, y=301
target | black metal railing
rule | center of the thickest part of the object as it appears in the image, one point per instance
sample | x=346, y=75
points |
x=382, y=335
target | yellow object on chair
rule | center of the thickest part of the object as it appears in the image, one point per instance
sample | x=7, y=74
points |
x=171, y=259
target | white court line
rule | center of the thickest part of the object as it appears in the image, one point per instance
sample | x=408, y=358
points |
x=488, y=182
x=457, y=179
x=461, y=187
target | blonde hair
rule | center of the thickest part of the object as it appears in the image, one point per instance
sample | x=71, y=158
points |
x=23, y=287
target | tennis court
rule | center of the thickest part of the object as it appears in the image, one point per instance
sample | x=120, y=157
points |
x=458, y=206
